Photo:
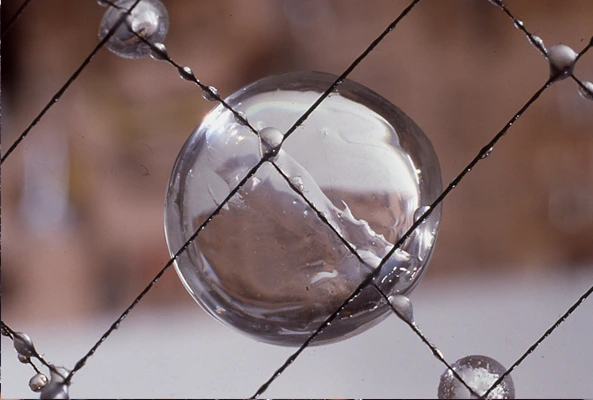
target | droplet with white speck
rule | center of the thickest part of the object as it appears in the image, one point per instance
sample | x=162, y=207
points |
x=588, y=92
x=38, y=382
x=486, y=154
x=562, y=59
x=479, y=373
x=403, y=306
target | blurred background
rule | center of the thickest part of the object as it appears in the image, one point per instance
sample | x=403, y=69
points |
x=82, y=197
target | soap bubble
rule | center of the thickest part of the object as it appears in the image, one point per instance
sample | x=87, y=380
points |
x=149, y=19
x=267, y=264
x=480, y=373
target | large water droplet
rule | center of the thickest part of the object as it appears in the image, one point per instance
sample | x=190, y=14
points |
x=562, y=59
x=480, y=373
x=277, y=273
x=149, y=20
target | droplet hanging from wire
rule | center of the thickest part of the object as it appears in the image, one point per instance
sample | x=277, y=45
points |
x=149, y=20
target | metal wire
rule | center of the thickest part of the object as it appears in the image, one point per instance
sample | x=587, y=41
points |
x=481, y=155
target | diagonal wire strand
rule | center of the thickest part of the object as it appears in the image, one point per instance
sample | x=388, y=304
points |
x=299, y=122
x=539, y=341
x=15, y=17
x=67, y=84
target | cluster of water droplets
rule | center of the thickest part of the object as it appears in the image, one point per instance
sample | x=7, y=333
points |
x=54, y=387
x=142, y=33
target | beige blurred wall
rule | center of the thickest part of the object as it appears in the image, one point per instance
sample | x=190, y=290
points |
x=82, y=197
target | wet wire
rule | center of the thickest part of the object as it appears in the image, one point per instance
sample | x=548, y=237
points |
x=482, y=154
x=539, y=341
x=67, y=84
x=14, y=18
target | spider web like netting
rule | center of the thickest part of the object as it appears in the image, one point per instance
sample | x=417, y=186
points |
x=481, y=154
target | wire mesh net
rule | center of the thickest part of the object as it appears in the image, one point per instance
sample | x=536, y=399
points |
x=462, y=82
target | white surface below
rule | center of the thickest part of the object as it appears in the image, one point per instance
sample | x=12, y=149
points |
x=184, y=353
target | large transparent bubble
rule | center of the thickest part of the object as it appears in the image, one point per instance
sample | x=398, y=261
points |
x=267, y=263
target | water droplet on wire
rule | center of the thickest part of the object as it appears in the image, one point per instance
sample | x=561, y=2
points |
x=420, y=211
x=586, y=93
x=211, y=94
x=241, y=118
x=159, y=52
x=297, y=181
x=23, y=359
x=487, y=153
x=562, y=59
x=38, y=382
x=403, y=306
x=537, y=42
x=480, y=373
x=271, y=138
x=518, y=24
x=186, y=73
x=23, y=344
x=149, y=20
